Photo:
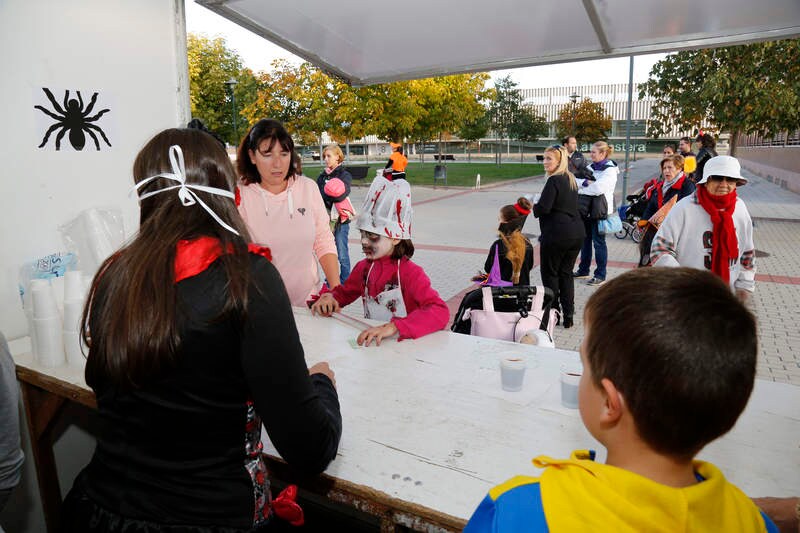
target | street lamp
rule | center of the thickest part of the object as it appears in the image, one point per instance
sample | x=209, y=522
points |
x=346, y=128
x=574, y=99
x=231, y=84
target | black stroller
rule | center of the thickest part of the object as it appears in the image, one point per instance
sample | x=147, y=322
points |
x=630, y=214
x=505, y=300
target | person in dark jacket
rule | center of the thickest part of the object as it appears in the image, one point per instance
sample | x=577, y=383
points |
x=577, y=164
x=514, y=250
x=562, y=230
x=333, y=157
x=192, y=344
x=707, y=151
x=674, y=182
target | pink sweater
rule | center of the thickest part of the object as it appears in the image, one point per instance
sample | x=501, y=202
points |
x=295, y=226
x=426, y=311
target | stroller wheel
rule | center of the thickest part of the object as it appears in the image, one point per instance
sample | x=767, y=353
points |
x=637, y=234
x=621, y=234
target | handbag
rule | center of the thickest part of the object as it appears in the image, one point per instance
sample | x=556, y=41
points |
x=592, y=207
x=509, y=326
x=610, y=224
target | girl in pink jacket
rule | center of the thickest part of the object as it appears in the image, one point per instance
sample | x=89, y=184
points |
x=391, y=286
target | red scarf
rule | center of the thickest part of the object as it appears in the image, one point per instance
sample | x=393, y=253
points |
x=724, y=246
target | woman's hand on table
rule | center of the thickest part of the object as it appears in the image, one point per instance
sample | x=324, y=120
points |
x=326, y=305
x=324, y=369
x=377, y=333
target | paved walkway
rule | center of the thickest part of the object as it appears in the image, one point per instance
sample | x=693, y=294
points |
x=453, y=228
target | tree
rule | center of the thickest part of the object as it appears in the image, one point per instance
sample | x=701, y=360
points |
x=504, y=108
x=211, y=65
x=746, y=89
x=592, y=123
x=527, y=127
x=476, y=129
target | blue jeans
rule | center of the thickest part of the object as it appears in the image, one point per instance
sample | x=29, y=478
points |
x=598, y=240
x=340, y=236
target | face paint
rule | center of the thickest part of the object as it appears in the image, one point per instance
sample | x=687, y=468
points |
x=375, y=246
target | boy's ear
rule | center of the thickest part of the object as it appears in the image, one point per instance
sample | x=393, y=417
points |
x=614, y=402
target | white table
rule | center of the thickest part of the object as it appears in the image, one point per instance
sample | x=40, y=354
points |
x=427, y=423
x=428, y=430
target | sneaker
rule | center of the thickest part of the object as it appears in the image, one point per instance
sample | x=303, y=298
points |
x=595, y=282
x=578, y=275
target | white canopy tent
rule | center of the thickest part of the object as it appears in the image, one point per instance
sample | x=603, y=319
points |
x=366, y=42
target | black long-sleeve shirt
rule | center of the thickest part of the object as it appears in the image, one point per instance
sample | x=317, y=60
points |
x=557, y=211
x=506, y=268
x=177, y=451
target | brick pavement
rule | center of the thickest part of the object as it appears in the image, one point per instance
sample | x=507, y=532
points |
x=453, y=228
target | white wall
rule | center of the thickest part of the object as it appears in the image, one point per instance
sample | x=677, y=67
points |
x=133, y=53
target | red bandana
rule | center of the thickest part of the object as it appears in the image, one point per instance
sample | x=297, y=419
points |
x=724, y=246
x=521, y=210
x=195, y=256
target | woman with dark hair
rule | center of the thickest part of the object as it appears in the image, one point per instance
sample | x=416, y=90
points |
x=707, y=151
x=515, y=253
x=192, y=344
x=562, y=230
x=285, y=211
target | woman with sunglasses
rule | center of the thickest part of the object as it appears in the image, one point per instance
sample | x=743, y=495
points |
x=711, y=229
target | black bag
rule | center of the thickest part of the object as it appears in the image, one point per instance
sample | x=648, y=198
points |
x=592, y=207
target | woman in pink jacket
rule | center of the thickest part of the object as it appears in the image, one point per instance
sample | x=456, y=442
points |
x=392, y=287
x=284, y=211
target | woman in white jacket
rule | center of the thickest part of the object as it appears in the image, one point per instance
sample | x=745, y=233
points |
x=605, y=173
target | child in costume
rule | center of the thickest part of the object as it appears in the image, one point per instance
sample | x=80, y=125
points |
x=513, y=249
x=391, y=286
x=653, y=414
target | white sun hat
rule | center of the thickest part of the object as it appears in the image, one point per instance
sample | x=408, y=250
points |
x=723, y=165
x=387, y=209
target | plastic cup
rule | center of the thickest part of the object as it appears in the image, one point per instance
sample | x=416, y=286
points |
x=512, y=373
x=50, y=345
x=72, y=315
x=73, y=286
x=570, y=379
x=73, y=347
x=44, y=303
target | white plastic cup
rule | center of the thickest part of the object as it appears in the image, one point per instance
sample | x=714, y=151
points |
x=512, y=373
x=73, y=346
x=50, y=344
x=570, y=379
x=73, y=286
x=44, y=302
x=72, y=315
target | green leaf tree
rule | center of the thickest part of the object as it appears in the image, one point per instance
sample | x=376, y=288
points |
x=746, y=89
x=211, y=65
x=591, y=122
x=504, y=109
x=476, y=129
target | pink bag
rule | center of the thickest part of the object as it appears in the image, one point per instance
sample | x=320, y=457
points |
x=510, y=326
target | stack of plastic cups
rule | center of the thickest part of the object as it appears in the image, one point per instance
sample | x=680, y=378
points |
x=73, y=307
x=27, y=304
x=47, y=326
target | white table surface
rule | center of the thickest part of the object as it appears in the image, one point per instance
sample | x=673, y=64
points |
x=426, y=420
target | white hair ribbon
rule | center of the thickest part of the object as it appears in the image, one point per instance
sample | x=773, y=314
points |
x=187, y=196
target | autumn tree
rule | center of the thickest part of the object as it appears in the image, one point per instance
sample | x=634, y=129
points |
x=746, y=89
x=503, y=110
x=476, y=129
x=591, y=122
x=527, y=127
x=211, y=65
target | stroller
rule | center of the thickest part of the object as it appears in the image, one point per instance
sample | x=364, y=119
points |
x=630, y=214
x=517, y=299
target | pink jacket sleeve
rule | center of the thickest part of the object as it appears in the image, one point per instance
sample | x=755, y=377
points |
x=323, y=241
x=353, y=286
x=426, y=310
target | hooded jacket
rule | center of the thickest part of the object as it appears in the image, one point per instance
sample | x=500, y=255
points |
x=578, y=494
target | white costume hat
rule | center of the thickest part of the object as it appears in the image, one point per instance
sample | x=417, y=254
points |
x=723, y=165
x=387, y=209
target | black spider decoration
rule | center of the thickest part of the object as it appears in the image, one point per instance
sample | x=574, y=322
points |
x=73, y=118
